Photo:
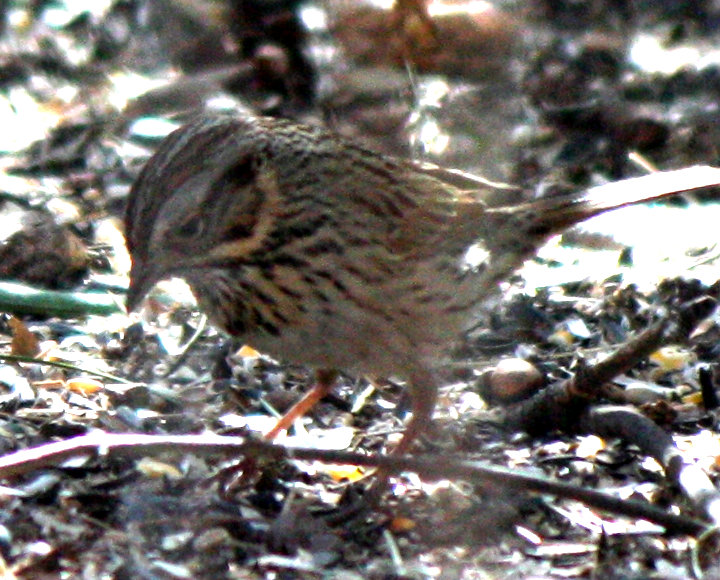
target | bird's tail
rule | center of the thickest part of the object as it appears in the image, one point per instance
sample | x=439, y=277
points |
x=539, y=219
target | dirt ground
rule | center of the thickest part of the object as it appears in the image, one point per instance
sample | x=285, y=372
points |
x=551, y=96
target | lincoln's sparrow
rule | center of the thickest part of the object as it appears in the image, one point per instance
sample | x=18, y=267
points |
x=321, y=252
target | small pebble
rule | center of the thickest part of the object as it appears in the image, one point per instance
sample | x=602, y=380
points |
x=513, y=379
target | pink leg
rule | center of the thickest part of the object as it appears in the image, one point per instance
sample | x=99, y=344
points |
x=324, y=382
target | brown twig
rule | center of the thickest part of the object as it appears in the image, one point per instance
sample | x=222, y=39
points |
x=561, y=405
x=99, y=445
x=633, y=427
x=567, y=403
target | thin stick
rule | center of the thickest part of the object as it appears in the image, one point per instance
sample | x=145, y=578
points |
x=100, y=444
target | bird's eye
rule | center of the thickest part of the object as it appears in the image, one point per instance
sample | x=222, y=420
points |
x=191, y=228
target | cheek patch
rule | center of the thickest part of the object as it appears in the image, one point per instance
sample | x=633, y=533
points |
x=250, y=216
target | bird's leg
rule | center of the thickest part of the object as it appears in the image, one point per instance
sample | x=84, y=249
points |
x=423, y=391
x=324, y=382
x=423, y=396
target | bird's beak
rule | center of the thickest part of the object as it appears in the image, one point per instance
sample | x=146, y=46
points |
x=142, y=279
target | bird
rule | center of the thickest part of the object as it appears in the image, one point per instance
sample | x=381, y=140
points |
x=321, y=252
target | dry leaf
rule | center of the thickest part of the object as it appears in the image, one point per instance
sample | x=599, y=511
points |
x=84, y=385
x=24, y=342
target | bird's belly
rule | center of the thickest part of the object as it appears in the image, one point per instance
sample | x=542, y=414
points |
x=357, y=343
